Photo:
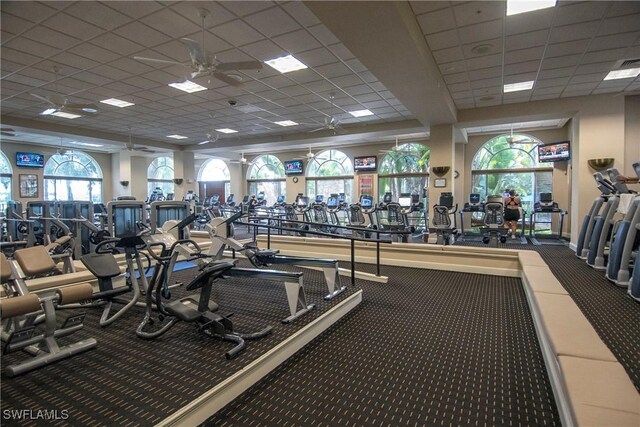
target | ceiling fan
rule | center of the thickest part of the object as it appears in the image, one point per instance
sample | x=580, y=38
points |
x=130, y=146
x=309, y=156
x=59, y=104
x=331, y=123
x=203, y=63
x=518, y=139
x=212, y=136
x=243, y=160
x=395, y=149
x=7, y=132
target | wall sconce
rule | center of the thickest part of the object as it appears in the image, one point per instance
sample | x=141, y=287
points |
x=124, y=183
x=600, y=164
x=177, y=181
x=440, y=170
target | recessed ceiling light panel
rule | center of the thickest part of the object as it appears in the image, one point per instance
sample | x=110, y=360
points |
x=285, y=64
x=188, y=86
x=117, y=102
x=65, y=115
x=515, y=87
x=629, y=73
x=176, y=136
x=361, y=113
x=85, y=144
x=286, y=123
x=515, y=7
x=48, y=111
x=226, y=130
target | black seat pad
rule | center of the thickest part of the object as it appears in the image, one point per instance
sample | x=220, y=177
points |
x=267, y=253
x=211, y=272
x=186, y=309
x=103, y=266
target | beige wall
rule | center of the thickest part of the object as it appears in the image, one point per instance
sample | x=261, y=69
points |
x=631, y=133
x=10, y=148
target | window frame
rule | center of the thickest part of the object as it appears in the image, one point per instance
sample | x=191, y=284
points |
x=52, y=178
x=6, y=175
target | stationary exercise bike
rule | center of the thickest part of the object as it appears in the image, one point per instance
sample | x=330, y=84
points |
x=197, y=308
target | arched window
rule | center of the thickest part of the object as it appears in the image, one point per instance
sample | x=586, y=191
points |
x=160, y=175
x=499, y=165
x=214, y=178
x=266, y=173
x=73, y=175
x=5, y=180
x=404, y=170
x=328, y=172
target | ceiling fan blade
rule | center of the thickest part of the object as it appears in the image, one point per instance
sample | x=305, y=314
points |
x=340, y=130
x=197, y=74
x=239, y=65
x=87, y=109
x=43, y=98
x=318, y=130
x=196, y=52
x=159, y=61
x=227, y=79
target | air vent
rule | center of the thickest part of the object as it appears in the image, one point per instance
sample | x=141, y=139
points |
x=626, y=63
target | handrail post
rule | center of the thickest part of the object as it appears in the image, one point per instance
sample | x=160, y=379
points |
x=269, y=237
x=353, y=262
x=378, y=257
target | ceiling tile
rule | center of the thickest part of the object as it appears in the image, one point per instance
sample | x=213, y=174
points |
x=443, y=40
x=427, y=6
x=483, y=83
x=333, y=70
x=526, y=40
x=484, y=62
x=26, y=45
x=543, y=97
x=298, y=41
x=515, y=78
x=72, y=26
x=340, y=51
x=573, y=32
x=614, y=41
x=566, y=48
x=263, y=49
x=97, y=14
x=594, y=68
x=171, y=23
x=448, y=55
x=117, y=44
x=242, y=8
x=562, y=61
x=556, y=72
x=142, y=34
x=491, y=46
x=31, y=11
x=580, y=12
x=621, y=24
x=301, y=13
x=51, y=37
x=478, y=32
x=237, y=33
x=587, y=78
x=555, y=90
x=436, y=21
x=604, y=55
x=560, y=81
x=521, y=67
x=529, y=22
x=191, y=10
x=522, y=55
x=316, y=57
x=136, y=9
x=478, y=11
x=455, y=78
x=94, y=52
x=460, y=87
x=623, y=8
x=272, y=22
x=323, y=34
x=486, y=73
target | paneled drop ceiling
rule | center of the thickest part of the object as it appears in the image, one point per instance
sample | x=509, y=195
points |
x=567, y=50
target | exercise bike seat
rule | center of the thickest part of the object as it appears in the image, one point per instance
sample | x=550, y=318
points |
x=210, y=273
x=103, y=266
x=186, y=309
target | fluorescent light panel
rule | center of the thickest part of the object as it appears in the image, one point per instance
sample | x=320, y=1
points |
x=85, y=144
x=65, y=115
x=117, y=102
x=628, y=73
x=515, y=87
x=188, y=86
x=226, y=130
x=361, y=113
x=285, y=64
x=515, y=7
x=175, y=136
x=286, y=123
x=48, y=111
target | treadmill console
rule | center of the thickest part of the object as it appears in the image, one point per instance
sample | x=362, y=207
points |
x=404, y=202
x=319, y=198
x=302, y=202
x=546, y=204
x=332, y=202
x=280, y=199
x=366, y=202
x=474, y=204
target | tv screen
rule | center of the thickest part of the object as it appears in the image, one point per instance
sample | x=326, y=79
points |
x=554, y=152
x=29, y=160
x=365, y=163
x=405, y=202
x=293, y=167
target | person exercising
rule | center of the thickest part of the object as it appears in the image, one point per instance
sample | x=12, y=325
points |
x=511, y=212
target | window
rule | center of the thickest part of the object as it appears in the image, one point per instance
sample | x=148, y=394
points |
x=5, y=180
x=160, y=174
x=404, y=170
x=215, y=170
x=330, y=171
x=73, y=175
x=499, y=166
x=266, y=173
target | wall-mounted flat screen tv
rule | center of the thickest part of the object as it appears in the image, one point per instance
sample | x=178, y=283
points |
x=29, y=160
x=554, y=152
x=365, y=163
x=293, y=167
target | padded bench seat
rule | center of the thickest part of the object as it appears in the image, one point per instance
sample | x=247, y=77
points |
x=44, y=283
x=601, y=392
x=541, y=279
